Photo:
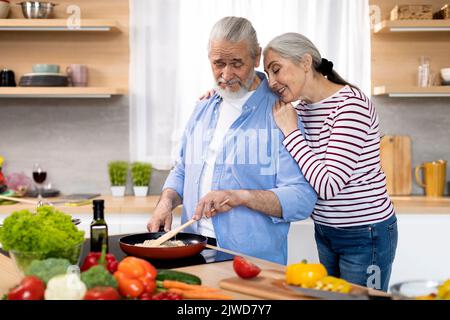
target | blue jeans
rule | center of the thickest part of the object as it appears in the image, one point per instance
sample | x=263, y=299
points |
x=361, y=255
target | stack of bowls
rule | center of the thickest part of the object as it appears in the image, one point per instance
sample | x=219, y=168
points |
x=44, y=75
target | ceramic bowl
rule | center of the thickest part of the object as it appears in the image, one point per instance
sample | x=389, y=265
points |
x=45, y=68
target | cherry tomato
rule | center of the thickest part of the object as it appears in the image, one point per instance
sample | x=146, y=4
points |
x=244, y=268
x=167, y=296
x=146, y=296
x=30, y=288
x=102, y=293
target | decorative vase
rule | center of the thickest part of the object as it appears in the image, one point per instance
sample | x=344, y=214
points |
x=140, y=191
x=4, y=9
x=118, y=191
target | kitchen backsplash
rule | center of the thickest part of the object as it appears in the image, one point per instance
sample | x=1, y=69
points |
x=74, y=139
x=425, y=120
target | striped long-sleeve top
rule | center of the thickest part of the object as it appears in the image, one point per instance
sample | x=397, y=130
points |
x=340, y=157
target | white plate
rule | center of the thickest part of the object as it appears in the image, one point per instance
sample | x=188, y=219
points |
x=411, y=289
x=45, y=74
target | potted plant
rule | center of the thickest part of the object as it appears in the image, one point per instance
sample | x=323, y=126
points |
x=140, y=174
x=118, y=171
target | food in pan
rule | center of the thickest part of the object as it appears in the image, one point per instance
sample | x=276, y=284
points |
x=168, y=243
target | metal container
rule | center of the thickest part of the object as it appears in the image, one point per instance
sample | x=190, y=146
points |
x=37, y=9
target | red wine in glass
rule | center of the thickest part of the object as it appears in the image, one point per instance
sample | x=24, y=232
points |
x=39, y=176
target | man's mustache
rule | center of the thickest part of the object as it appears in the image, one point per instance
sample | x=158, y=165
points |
x=229, y=82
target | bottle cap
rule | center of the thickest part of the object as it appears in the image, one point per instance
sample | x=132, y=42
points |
x=98, y=206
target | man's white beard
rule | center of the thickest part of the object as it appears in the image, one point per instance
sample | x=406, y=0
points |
x=244, y=88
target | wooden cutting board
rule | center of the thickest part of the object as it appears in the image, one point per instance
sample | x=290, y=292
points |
x=263, y=286
x=395, y=153
x=269, y=284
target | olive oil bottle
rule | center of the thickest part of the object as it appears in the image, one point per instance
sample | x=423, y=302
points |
x=99, y=228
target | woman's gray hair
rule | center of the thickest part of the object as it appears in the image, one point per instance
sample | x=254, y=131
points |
x=294, y=46
x=235, y=29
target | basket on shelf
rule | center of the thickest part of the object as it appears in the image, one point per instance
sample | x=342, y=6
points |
x=443, y=13
x=412, y=12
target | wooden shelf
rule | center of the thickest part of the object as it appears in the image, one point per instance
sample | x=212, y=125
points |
x=388, y=26
x=57, y=25
x=59, y=92
x=411, y=91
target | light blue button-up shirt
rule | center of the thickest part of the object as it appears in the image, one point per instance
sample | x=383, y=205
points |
x=253, y=158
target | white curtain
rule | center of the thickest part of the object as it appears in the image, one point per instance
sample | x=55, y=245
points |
x=170, y=67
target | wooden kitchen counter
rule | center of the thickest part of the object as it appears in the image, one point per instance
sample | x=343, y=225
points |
x=132, y=204
x=421, y=204
x=113, y=205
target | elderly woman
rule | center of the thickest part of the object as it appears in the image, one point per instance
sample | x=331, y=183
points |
x=339, y=155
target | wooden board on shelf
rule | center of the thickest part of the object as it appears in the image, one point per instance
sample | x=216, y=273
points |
x=57, y=24
x=412, y=91
x=387, y=26
x=395, y=154
x=58, y=92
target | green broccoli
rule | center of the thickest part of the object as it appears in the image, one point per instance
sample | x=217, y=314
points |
x=98, y=276
x=48, y=268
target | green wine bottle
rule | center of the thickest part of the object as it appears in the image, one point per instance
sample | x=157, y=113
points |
x=99, y=228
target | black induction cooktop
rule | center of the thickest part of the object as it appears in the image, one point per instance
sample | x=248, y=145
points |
x=206, y=256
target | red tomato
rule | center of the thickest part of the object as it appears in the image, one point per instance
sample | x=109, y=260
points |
x=102, y=293
x=30, y=288
x=244, y=268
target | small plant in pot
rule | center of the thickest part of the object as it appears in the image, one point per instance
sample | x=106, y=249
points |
x=118, y=172
x=141, y=173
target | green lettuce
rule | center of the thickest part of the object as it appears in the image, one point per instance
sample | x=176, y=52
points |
x=48, y=232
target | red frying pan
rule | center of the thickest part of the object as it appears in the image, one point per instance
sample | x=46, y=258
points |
x=194, y=244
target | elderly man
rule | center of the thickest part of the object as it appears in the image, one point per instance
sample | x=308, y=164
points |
x=233, y=175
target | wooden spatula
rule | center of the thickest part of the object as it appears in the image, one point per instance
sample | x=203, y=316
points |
x=174, y=232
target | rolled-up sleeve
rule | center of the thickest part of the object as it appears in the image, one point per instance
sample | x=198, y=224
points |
x=296, y=196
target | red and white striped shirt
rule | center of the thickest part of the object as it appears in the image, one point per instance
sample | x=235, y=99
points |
x=340, y=157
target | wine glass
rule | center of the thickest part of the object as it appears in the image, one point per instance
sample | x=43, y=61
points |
x=39, y=176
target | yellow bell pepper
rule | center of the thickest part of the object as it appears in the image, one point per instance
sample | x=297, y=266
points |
x=305, y=274
x=444, y=291
x=334, y=284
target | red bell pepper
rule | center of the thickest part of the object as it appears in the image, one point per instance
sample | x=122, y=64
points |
x=30, y=288
x=135, y=276
x=94, y=259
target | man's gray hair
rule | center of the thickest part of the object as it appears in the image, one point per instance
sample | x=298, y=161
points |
x=235, y=29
